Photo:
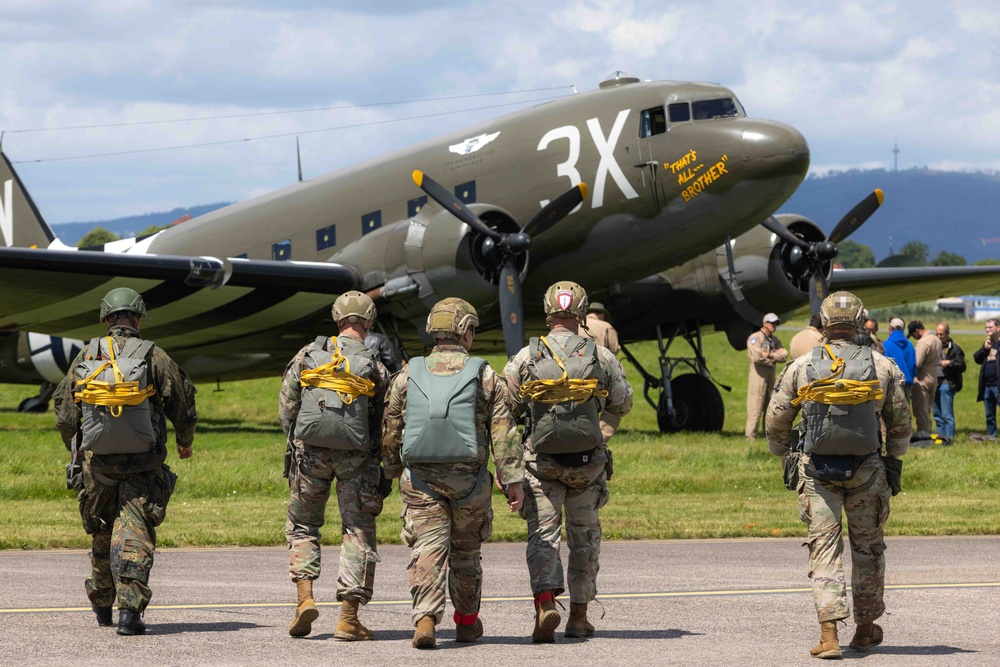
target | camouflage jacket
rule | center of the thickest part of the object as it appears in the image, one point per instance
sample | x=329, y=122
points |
x=494, y=426
x=893, y=407
x=290, y=397
x=618, y=401
x=174, y=398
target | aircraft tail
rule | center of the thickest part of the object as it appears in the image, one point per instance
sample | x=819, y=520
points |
x=21, y=224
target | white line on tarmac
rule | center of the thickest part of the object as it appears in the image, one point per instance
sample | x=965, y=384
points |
x=609, y=596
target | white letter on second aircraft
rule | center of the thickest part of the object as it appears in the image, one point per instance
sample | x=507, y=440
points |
x=606, y=149
x=7, y=213
x=567, y=168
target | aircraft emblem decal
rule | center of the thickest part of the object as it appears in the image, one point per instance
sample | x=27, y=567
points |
x=605, y=146
x=565, y=300
x=473, y=144
x=7, y=213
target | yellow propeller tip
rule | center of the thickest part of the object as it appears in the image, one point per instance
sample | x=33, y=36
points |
x=583, y=190
x=418, y=177
x=880, y=195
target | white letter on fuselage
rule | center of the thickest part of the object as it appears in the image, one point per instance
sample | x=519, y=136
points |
x=606, y=149
x=7, y=213
x=567, y=168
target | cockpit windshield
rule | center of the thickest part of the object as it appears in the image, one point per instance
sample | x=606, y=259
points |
x=720, y=108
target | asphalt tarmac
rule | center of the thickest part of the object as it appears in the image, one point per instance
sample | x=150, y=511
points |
x=706, y=602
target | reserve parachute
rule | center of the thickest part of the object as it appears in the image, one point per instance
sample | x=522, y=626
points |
x=441, y=414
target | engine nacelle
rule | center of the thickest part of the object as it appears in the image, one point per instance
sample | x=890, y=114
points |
x=414, y=263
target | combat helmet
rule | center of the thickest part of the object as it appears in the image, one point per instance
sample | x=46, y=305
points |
x=354, y=307
x=566, y=297
x=842, y=309
x=451, y=318
x=122, y=299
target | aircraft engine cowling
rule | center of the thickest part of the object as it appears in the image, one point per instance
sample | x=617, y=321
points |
x=780, y=283
x=414, y=263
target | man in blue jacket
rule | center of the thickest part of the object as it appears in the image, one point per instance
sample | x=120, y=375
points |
x=901, y=350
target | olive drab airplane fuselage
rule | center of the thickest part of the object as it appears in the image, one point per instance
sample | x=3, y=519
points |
x=675, y=173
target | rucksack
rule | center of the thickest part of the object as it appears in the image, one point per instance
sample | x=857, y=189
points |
x=558, y=425
x=842, y=429
x=113, y=391
x=334, y=412
x=441, y=414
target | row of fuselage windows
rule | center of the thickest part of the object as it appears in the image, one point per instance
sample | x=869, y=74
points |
x=326, y=237
x=654, y=121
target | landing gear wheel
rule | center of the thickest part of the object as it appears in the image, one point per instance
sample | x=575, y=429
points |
x=697, y=406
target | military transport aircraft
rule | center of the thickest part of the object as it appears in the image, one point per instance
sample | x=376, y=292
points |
x=658, y=197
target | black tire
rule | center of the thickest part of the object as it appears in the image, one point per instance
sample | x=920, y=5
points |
x=697, y=406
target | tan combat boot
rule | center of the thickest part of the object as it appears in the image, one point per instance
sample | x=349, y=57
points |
x=306, y=611
x=546, y=619
x=423, y=636
x=349, y=628
x=468, y=627
x=578, y=625
x=829, y=645
x=866, y=635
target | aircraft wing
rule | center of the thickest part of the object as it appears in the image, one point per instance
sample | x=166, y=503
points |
x=58, y=291
x=884, y=287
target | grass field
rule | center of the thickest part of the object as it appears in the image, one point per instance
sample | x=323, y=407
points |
x=679, y=486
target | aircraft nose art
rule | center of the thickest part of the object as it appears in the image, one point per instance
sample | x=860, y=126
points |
x=773, y=150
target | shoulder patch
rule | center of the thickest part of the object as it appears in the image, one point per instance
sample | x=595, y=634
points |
x=753, y=340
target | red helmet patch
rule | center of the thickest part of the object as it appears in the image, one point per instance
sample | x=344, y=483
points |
x=565, y=299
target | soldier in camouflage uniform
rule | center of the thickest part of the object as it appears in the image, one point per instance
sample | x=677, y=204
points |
x=123, y=497
x=316, y=460
x=447, y=512
x=576, y=481
x=867, y=480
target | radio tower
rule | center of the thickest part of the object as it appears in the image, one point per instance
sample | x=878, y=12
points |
x=895, y=156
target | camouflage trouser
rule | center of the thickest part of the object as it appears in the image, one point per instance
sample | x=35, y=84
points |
x=445, y=536
x=359, y=500
x=865, y=501
x=121, y=513
x=549, y=488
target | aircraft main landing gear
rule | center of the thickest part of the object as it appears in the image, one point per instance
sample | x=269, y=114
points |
x=40, y=402
x=687, y=402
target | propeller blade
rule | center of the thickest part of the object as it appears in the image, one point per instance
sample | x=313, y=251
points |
x=556, y=210
x=857, y=216
x=441, y=195
x=511, y=308
x=776, y=227
x=818, y=290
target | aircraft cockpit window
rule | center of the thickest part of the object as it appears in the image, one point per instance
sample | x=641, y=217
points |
x=652, y=121
x=679, y=112
x=720, y=108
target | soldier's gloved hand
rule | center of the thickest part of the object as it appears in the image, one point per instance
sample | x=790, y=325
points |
x=893, y=473
x=185, y=452
x=384, y=483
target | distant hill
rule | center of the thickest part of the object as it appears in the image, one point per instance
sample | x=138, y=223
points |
x=71, y=232
x=946, y=210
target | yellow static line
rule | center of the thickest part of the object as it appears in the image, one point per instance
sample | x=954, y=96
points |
x=523, y=598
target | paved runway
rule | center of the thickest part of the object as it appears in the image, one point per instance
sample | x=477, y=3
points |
x=707, y=602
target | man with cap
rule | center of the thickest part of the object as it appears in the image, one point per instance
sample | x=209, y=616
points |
x=598, y=328
x=562, y=383
x=110, y=410
x=842, y=390
x=330, y=407
x=764, y=350
x=444, y=415
x=901, y=351
x=928, y=356
x=805, y=340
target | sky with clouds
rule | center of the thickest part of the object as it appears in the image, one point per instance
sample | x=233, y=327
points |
x=854, y=78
